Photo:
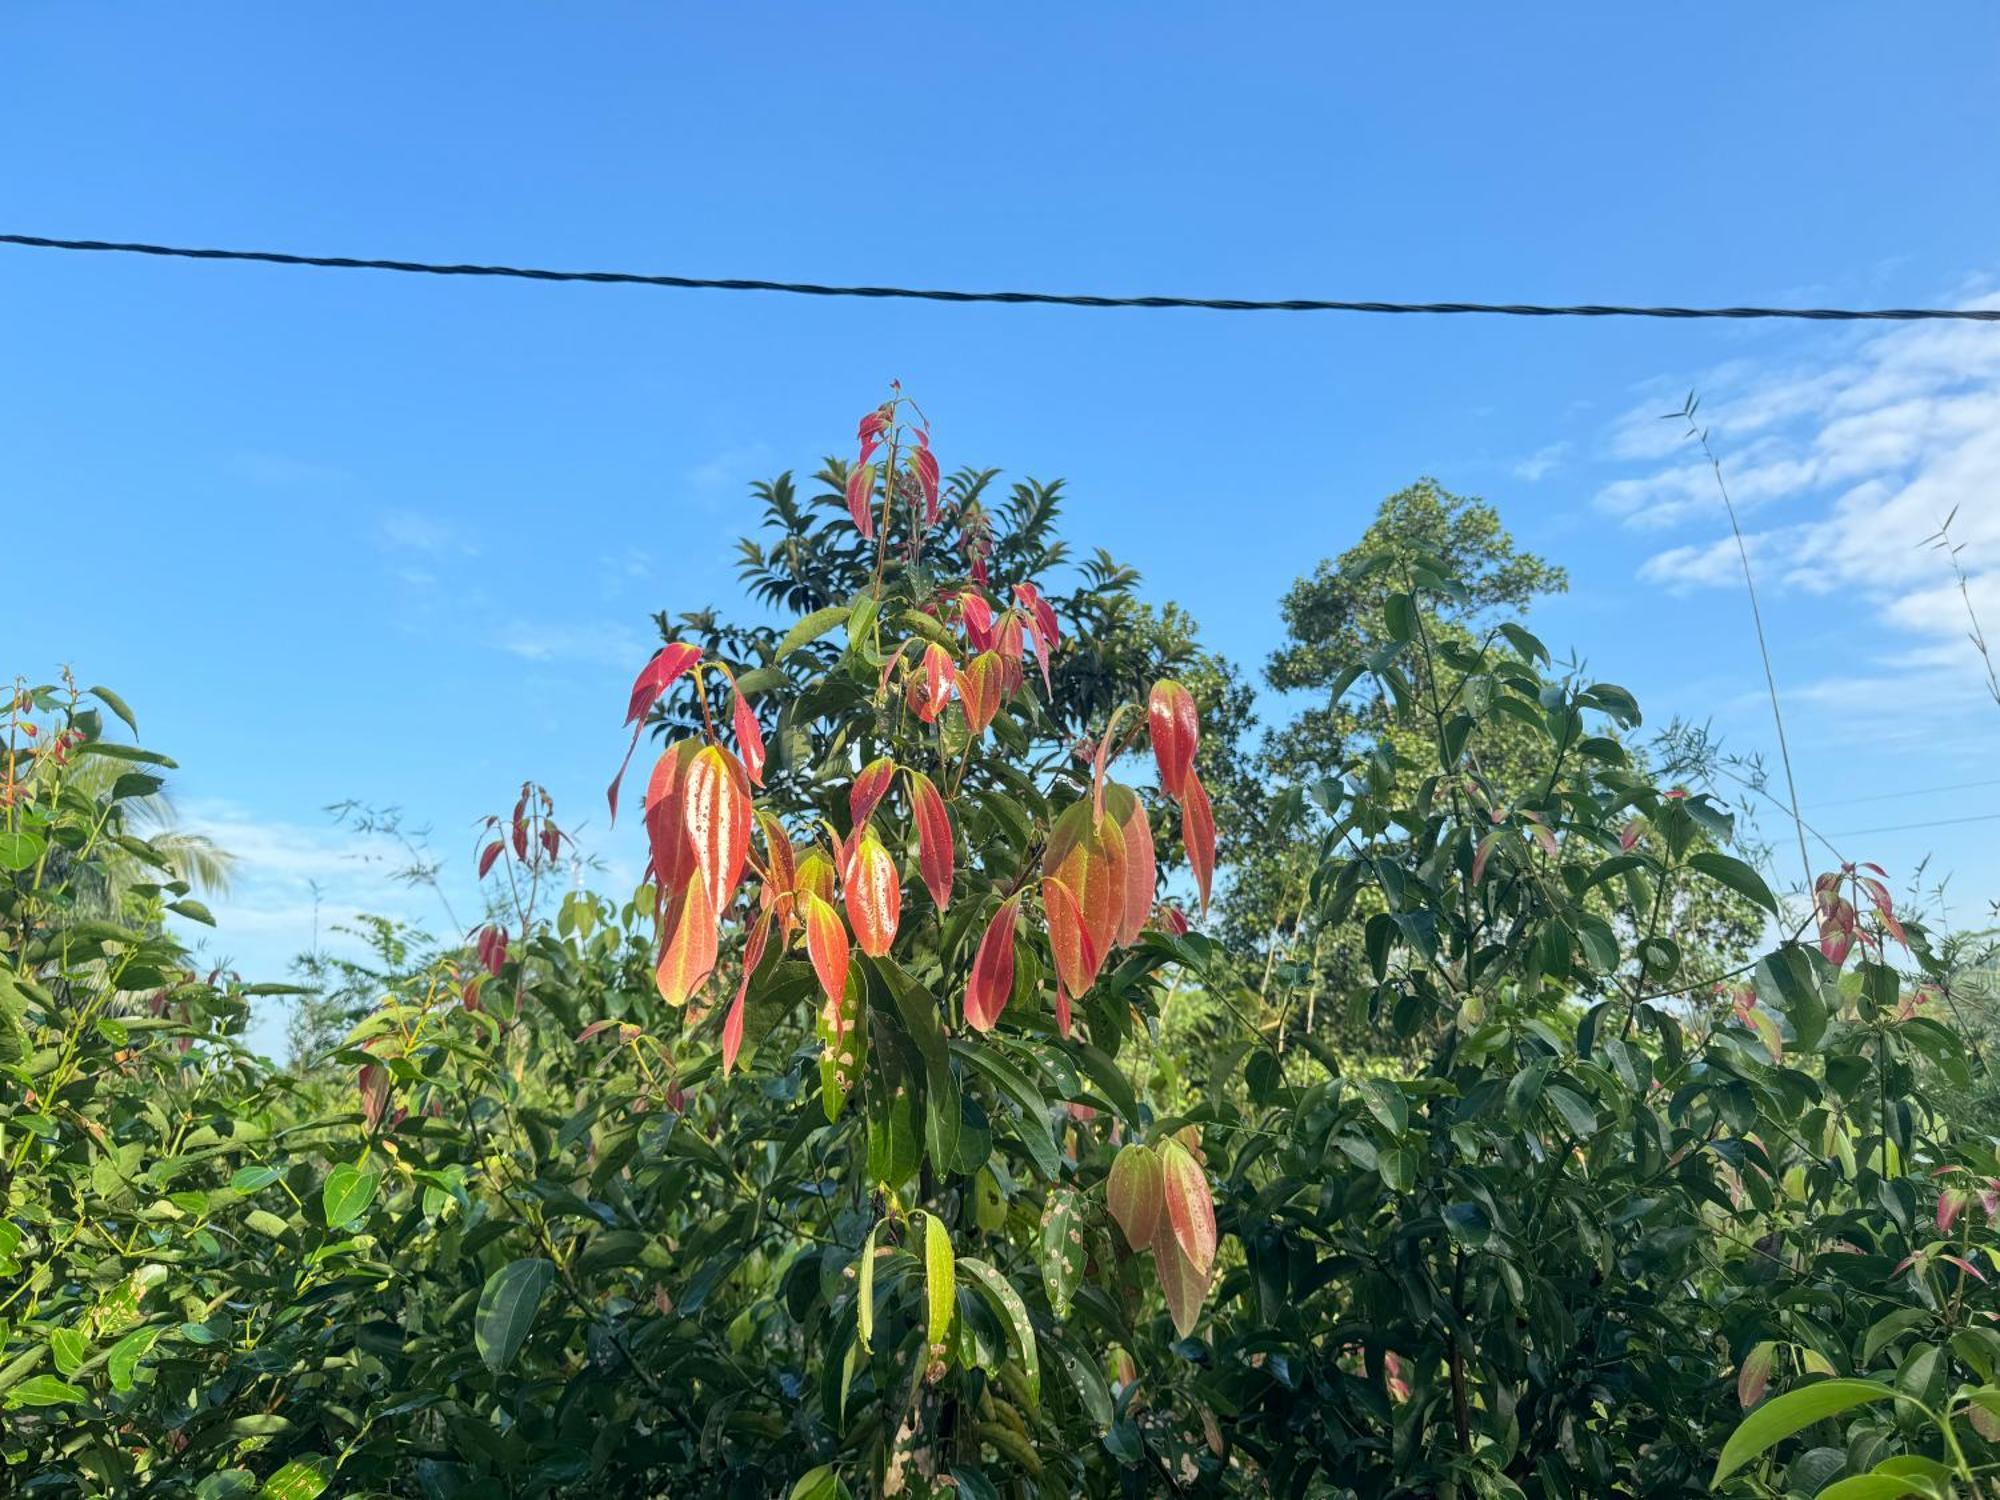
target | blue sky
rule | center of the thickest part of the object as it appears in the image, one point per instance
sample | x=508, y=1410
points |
x=343, y=535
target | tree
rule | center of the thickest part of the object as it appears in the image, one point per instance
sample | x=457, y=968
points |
x=1340, y=621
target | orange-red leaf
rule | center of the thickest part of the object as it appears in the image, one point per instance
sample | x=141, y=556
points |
x=1007, y=644
x=1141, y=871
x=732, y=1024
x=716, y=811
x=980, y=687
x=1198, y=833
x=1190, y=1207
x=826, y=945
x=1184, y=1285
x=936, y=853
x=869, y=789
x=1175, y=726
x=992, y=982
x=1065, y=1018
x=749, y=738
x=666, y=818
x=940, y=675
x=874, y=894
x=1076, y=959
x=689, y=956
x=861, y=499
x=1136, y=1193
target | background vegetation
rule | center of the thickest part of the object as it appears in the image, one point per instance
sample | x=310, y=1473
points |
x=1496, y=1132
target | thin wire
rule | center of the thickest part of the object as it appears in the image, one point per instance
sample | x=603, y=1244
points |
x=1049, y=299
x=1922, y=791
x=1905, y=827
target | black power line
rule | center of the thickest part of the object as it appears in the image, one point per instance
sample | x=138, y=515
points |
x=1048, y=299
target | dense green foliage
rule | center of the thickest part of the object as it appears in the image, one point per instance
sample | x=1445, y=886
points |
x=1528, y=1179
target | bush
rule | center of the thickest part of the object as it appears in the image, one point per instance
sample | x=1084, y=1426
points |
x=898, y=1137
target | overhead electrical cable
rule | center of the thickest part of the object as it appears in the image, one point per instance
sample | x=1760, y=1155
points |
x=1046, y=299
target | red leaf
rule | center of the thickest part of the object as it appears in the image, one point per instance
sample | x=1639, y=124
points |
x=668, y=663
x=1045, y=615
x=1948, y=1206
x=977, y=616
x=1483, y=853
x=1175, y=726
x=717, y=814
x=373, y=1082
x=992, y=982
x=1198, y=833
x=1136, y=1193
x=749, y=738
x=936, y=853
x=1965, y=1265
x=826, y=945
x=689, y=956
x=1065, y=1019
x=1190, y=1207
x=874, y=893
x=869, y=789
x=925, y=465
x=1628, y=836
x=861, y=499
x=486, y=860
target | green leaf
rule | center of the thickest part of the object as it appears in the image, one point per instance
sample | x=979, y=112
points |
x=810, y=628
x=20, y=849
x=301, y=1479
x=1062, y=1248
x=1011, y=1310
x=1738, y=876
x=348, y=1191
x=251, y=1179
x=1088, y=1382
x=127, y=1352
x=44, y=1390
x=1876, y=1486
x=193, y=910
x=226, y=1484
x=507, y=1307
x=116, y=704
x=1386, y=1102
x=1781, y=1416
x=864, y=1290
x=822, y=1483
x=940, y=1283
x=69, y=1346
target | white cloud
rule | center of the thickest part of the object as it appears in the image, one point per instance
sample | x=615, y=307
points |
x=1838, y=473
x=414, y=531
x=603, y=644
x=1542, y=462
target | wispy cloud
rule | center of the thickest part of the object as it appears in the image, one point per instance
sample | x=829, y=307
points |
x=417, y=531
x=601, y=643
x=1542, y=462
x=1839, y=472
